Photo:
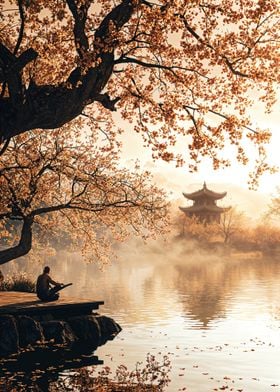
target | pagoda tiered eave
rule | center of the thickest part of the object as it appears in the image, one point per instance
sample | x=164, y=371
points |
x=204, y=208
x=204, y=192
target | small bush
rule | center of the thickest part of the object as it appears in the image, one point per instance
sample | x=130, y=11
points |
x=19, y=282
x=153, y=376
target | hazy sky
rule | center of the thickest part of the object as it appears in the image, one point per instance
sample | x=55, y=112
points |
x=234, y=180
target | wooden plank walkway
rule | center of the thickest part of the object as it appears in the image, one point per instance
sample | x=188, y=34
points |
x=19, y=303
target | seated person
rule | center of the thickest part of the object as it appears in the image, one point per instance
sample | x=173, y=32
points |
x=44, y=289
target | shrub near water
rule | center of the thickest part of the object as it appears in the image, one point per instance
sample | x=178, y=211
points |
x=19, y=282
x=151, y=376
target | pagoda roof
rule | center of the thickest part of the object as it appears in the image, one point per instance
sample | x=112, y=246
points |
x=204, y=192
x=204, y=208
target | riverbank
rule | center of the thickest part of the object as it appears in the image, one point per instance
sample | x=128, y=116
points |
x=26, y=322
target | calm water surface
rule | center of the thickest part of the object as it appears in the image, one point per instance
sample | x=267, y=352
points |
x=217, y=319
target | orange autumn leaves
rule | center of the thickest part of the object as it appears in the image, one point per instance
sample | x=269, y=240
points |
x=179, y=68
x=179, y=72
x=73, y=191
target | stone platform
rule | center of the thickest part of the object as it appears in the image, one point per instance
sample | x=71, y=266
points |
x=69, y=323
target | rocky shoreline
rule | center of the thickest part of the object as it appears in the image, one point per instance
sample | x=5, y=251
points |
x=18, y=332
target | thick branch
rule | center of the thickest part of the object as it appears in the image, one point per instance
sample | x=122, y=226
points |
x=10, y=72
x=106, y=101
x=21, y=30
x=10, y=64
x=4, y=147
x=80, y=18
x=119, y=16
x=51, y=106
x=47, y=210
x=24, y=245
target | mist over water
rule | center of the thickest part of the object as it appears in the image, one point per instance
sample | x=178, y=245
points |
x=217, y=317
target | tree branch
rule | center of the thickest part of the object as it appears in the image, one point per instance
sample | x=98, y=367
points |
x=21, y=30
x=10, y=64
x=51, y=106
x=24, y=245
x=208, y=45
x=80, y=18
x=170, y=68
x=5, y=146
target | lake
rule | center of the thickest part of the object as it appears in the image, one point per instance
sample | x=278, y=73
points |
x=216, y=318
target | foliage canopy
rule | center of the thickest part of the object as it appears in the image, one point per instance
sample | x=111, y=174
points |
x=170, y=68
x=64, y=185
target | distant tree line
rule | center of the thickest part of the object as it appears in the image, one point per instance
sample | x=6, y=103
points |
x=235, y=231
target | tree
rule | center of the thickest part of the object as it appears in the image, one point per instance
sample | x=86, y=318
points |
x=266, y=238
x=169, y=67
x=193, y=228
x=230, y=227
x=57, y=183
x=274, y=207
x=231, y=224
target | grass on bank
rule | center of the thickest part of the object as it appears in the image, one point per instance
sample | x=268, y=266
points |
x=18, y=282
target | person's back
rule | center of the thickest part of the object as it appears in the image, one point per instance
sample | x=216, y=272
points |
x=43, y=286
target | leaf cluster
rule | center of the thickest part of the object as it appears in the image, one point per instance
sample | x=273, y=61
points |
x=170, y=68
x=63, y=185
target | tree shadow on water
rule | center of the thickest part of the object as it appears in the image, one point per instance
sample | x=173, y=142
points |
x=37, y=369
x=57, y=369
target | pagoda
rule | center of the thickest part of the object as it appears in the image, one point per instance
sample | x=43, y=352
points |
x=204, y=205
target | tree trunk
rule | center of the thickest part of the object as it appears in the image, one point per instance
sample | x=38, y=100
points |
x=51, y=106
x=24, y=245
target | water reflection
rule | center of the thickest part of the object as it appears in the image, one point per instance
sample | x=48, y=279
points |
x=208, y=289
x=150, y=287
x=217, y=316
x=202, y=292
x=40, y=369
